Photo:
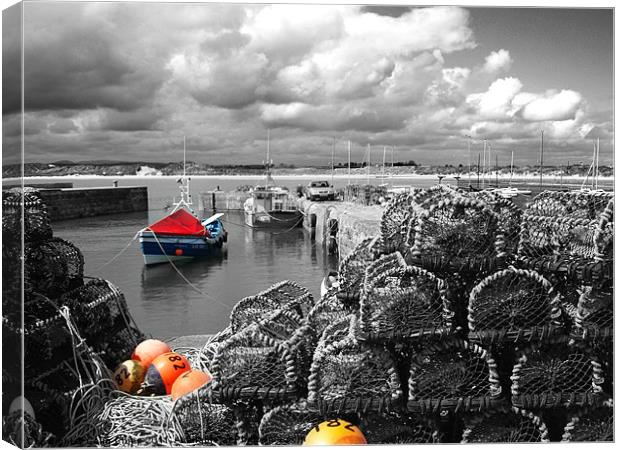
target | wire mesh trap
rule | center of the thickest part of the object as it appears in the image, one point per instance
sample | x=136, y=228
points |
x=504, y=426
x=399, y=428
x=326, y=312
x=266, y=360
x=15, y=426
x=591, y=425
x=349, y=376
x=514, y=305
x=36, y=222
x=53, y=266
x=403, y=303
x=288, y=424
x=288, y=292
x=352, y=269
x=101, y=314
x=457, y=232
x=255, y=308
x=394, y=222
x=593, y=318
x=570, y=224
x=204, y=422
x=453, y=375
x=560, y=375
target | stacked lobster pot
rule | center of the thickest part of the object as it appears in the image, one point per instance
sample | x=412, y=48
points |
x=68, y=325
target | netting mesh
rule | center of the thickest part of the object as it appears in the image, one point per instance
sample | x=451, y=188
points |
x=102, y=316
x=504, y=426
x=254, y=309
x=594, y=314
x=394, y=222
x=514, y=305
x=328, y=311
x=561, y=375
x=591, y=425
x=204, y=422
x=457, y=229
x=286, y=292
x=288, y=424
x=34, y=436
x=266, y=360
x=352, y=269
x=398, y=428
x=571, y=224
x=36, y=226
x=348, y=375
x=452, y=375
x=403, y=303
x=53, y=266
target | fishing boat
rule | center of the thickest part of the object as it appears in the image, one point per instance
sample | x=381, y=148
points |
x=181, y=235
x=269, y=205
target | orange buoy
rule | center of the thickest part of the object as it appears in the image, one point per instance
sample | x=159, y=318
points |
x=129, y=376
x=335, y=432
x=178, y=251
x=164, y=370
x=148, y=350
x=188, y=382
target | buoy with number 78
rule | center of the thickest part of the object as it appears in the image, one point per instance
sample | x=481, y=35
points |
x=335, y=432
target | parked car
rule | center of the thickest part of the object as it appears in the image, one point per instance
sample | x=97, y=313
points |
x=320, y=190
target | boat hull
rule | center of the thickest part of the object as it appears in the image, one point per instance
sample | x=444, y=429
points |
x=158, y=249
x=273, y=219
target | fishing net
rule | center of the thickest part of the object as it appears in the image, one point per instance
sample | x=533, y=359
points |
x=54, y=266
x=394, y=222
x=352, y=269
x=287, y=292
x=348, y=375
x=404, y=303
x=594, y=314
x=566, y=224
x=255, y=308
x=458, y=233
x=399, y=428
x=204, y=422
x=514, y=305
x=101, y=314
x=34, y=436
x=326, y=312
x=131, y=421
x=557, y=376
x=504, y=426
x=36, y=224
x=288, y=424
x=453, y=375
x=591, y=425
x=266, y=360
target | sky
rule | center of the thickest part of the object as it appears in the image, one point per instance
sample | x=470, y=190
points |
x=127, y=81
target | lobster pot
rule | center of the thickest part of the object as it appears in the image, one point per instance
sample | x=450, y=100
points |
x=515, y=306
x=288, y=424
x=36, y=222
x=404, y=304
x=100, y=312
x=290, y=293
x=399, y=428
x=54, y=266
x=593, y=320
x=509, y=218
x=504, y=426
x=575, y=225
x=12, y=276
x=394, y=222
x=352, y=269
x=256, y=308
x=349, y=376
x=555, y=376
x=591, y=425
x=452, y=376
x=204, y=422
x=326, y=312
x=265, y=361
x=457, y=234
x=34, y=436
x=131, y=421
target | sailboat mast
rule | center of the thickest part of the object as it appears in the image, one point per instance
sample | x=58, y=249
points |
x=598, y=154
x=368, y=166
x=392, y=169
x=469, y=159
x=383, y=167
x=512, y=160
x=542, y=137
x=484, y=161
x=183, y=156
x=349, y=158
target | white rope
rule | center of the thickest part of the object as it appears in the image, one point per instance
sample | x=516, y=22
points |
x=119, y=253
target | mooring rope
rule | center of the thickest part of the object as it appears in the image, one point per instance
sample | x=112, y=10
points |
x=119, y=253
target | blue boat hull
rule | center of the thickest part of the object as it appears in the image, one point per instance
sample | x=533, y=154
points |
x=176, y=248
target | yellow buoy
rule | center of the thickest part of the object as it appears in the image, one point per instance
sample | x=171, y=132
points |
x=335, y=432
x=129, y=376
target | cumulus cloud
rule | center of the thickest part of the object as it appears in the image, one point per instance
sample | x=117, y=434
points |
x=553, y=105
x=496, y=102
x=497, y=61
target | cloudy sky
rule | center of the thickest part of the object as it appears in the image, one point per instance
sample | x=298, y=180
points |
x=128, y=80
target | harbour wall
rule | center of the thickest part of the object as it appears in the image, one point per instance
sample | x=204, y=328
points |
x=74, y=203
x=344, y=224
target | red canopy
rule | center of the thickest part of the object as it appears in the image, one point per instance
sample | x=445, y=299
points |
x=180, y=222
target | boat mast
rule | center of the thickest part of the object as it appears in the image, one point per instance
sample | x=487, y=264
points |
x=542, y=136
x=484, y=161
x=368, y=166
x=349, y=155
x=186, y=198
x=512, y=160
x=468, y=158
x=392, y=169
x=598, y=152
x=383, y=167
x=333, y=151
